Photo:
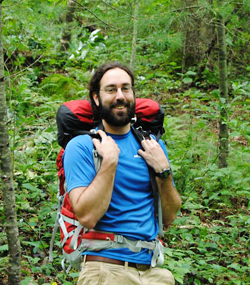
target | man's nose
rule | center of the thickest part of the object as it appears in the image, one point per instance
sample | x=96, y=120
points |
x=119, y=93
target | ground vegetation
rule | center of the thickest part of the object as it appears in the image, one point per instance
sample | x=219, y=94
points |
x=176, y=63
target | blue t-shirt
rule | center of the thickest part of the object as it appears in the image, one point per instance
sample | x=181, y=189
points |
x=131, y=210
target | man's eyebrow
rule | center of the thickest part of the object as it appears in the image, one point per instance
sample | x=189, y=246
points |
x=114, y=85
x=110, y=85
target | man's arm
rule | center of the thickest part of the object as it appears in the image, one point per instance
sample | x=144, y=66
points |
x=91, y=203
x=170, y=198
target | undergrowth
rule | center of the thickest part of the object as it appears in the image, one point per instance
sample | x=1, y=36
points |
x=209, y=241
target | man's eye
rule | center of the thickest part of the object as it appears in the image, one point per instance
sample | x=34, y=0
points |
x=126, y=88
x=110, y=89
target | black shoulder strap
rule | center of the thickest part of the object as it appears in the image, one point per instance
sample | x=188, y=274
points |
x=141, y=135
x=91, y=133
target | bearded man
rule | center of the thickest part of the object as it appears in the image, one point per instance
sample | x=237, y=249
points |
x=118, y=198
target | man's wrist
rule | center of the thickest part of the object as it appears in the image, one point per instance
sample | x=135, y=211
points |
x=165, y=173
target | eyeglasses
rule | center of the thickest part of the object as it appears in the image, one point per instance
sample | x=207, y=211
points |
x=126, y=89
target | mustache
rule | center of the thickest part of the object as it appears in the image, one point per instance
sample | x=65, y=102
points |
x=120, y=103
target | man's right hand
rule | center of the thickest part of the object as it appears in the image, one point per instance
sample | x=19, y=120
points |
x=107, y=148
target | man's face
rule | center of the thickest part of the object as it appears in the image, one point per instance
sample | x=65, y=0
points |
x=116, y=100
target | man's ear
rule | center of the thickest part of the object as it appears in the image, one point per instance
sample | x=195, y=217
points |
x=96, y=99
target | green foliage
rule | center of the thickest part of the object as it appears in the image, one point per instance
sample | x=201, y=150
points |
x=209, y=241
x=215, y=211
x=201, y=250
x=60, y=86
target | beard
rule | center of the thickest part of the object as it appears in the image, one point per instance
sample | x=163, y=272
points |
x=121, y=118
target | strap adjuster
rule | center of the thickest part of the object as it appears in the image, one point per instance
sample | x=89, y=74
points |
x=119, y=239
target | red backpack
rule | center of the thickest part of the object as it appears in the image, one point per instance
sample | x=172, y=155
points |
x=77, y=118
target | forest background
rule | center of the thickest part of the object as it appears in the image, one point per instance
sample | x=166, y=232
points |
x=51, y=48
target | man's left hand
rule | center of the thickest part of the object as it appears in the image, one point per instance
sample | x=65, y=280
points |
x=154, y=155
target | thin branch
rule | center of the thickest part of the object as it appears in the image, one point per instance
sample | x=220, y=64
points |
x=109, y=5
x=15, y=74
x=186, y=8
x=95, y=15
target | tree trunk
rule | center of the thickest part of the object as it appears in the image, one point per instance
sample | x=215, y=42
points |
x=6, y=181
x=135, y=20
x=223, y=132
x=71, y=6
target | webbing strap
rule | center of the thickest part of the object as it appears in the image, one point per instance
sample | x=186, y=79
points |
x=63, y=227
x=60, y=201
x=64, y=268
x=74, y=240
x=134, y=245
x=70, y=220
x=70, y=234
x=160, y=221
x=117, y=241
x=53, y=239
x=122, y=242
x=97, y=158
x=75, y=233
x=158, y=256
x=141, y=135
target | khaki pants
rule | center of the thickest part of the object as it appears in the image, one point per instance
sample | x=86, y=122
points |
x=101, y=273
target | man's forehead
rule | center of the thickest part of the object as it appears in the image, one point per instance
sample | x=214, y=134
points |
x=115, y=76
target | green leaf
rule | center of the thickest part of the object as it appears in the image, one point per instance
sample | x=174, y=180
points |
x=168, y=251
x=28, y=281
x=190, y=73
x=30, y=187
x=4, y=247
x=187, y=80
x=192, y=206
x=235, y=266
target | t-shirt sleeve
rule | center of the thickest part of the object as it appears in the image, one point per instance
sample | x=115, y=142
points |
x=78, y=162
x=163, y=146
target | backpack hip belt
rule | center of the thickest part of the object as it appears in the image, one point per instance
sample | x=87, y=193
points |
x=93, y=240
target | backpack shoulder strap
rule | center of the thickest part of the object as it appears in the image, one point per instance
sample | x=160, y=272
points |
x=97, y=158
x=140, y=135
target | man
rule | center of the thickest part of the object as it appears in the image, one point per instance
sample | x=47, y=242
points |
x=118, y=198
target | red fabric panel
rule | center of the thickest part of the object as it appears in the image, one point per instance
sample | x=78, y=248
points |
x=67, y=209
x=82, y=110
x=60, y=172
x=97, y=235
x=146, y=109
